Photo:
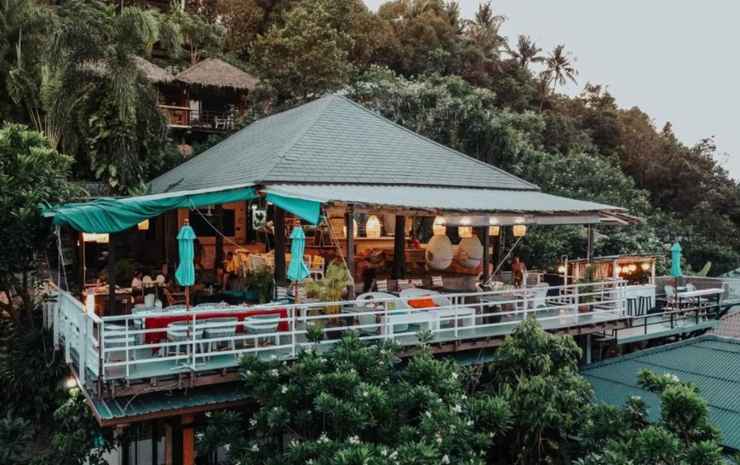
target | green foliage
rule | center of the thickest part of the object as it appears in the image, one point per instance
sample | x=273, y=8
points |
x=357, y=404
x=16, y=435
x=306, y=54
x=31, y=174
x=261, y=282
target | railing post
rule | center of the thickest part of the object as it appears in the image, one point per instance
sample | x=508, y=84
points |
x=193, y=331
x=126, y=348
x=292, y=331
x=101, y=347
x=83, y=349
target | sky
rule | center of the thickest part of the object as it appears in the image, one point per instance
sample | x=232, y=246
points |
x=675, y=59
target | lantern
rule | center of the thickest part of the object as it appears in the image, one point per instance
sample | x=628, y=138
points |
x=465, y=232
x=618, y=269
x=470, y=252
x=519, y=230
x=561, y=269
x=372, y=227
x=645, y=266
x=143, y=226
x=494, y=231
x=438, y=253
x=440, y=226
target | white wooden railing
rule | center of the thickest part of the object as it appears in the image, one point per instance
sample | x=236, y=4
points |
x=145, y=344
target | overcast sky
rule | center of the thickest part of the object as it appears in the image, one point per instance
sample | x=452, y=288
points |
x=675, y=59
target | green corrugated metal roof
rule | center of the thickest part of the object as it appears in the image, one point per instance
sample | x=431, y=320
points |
x=122, y=409
x=332, y=140
x=709, y=362
x=445, y=198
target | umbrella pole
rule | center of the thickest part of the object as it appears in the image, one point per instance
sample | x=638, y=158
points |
x=187, y=297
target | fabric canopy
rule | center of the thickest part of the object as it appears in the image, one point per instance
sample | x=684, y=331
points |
x=109, y=215
x=303, y=208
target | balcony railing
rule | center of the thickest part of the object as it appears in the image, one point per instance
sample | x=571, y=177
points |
x=211, y=337
x=185, y=117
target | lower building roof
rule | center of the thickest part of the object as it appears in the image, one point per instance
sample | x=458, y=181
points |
x=711, y=363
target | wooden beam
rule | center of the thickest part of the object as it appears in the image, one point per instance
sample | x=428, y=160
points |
x=399, y=246
x=219, y=253
x=483, y=236
x=188, y=440
x=278, y=219
x=349, y=220
x=111, y=274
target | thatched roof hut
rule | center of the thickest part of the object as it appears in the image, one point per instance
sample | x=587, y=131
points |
x=152, y=72
x=213, y=72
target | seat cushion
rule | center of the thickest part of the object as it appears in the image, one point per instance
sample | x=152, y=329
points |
x=422, y=302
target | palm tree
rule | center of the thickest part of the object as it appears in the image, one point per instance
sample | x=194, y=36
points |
x=559, y=68
x=527, y=52
x=484, y=31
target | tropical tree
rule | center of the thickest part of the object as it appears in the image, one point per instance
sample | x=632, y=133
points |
x=306, y=55
x=31, y=174
x=559, y=68
x=358, y=404
x=527, y=52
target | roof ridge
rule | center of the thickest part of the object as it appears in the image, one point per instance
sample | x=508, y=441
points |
x=449, y=149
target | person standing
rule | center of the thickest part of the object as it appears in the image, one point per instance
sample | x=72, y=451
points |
x=518, y=271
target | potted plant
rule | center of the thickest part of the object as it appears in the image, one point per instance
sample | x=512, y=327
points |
x=260, y=282
x=330, y=288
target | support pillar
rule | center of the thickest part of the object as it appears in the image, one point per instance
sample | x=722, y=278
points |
x=168, y=442
x=111, y=274
x=349, y=220
x=588, y=349
x=188, y=440
x=589, y=243
x=484, y=238
x=399, y=246
x=278, y=218
x=219, y=252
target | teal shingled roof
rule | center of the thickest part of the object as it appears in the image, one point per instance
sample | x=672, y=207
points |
x=709, y=362
x=332, y=140
x=122, y=410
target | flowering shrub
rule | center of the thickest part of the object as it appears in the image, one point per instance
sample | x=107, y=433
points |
x=359, y=404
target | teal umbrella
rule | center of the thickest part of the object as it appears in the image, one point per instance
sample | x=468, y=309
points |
x=676, y=260
x=297, y=270
x=185, y=273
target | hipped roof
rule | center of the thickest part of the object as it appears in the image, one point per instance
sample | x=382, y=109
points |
x=213, y=72
x=333, y=140
x=152, y=72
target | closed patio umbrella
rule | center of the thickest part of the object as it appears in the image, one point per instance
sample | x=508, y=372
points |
x=676, y=260
x=297, y=270
x=185, y=273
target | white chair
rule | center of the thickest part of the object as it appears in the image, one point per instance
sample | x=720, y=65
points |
x=404, y=284
x=366, y=303
x=115, y=338
x=538, y=295
x=263, y=324
x=445, y=309
x=220, y=329
x=177, y=333
x=382, y=285
x=149, y=300
x=437, y=281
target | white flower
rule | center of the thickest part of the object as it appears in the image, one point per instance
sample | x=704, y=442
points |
x=354, y=440
x=284, y=389
x=439, y=439
x=255, y=447
x=253, y=422
x=393, y=455
x=445, y=459
x=457, y=408
x=428, y=414
x=274, y=372
x=470, y=423
x=293, y=443
x=365, y=394
x=384, y=452
x=454, y=375
x=464, y=397
x=323, y=438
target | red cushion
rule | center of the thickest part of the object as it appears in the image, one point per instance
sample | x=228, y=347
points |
x=422, y=302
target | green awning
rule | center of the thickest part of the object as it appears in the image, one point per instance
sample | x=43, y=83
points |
x=109, y=215
x=307, y=209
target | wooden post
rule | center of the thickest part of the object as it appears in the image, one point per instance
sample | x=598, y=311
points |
x=399, y=246
x=168, y=440
x=111, y=274
x=278, y=218
x=349, y=219
x=82, y=260
x=589, y=243
x=188, y=441
x=483, y=236
x=219, y=253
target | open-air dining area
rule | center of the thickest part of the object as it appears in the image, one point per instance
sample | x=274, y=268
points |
x=268, y=246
